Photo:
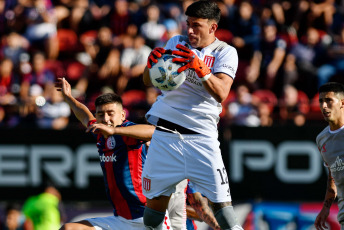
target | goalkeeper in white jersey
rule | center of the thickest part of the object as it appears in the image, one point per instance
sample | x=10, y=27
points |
x=185, y=143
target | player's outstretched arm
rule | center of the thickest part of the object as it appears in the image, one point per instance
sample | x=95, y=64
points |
x=331, y=193
x=83, y=114
x=200, y=205
x=139, y=131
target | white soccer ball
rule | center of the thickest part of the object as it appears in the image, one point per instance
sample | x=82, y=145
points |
x=164, y=75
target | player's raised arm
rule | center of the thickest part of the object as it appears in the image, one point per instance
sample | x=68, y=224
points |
x=83, y=114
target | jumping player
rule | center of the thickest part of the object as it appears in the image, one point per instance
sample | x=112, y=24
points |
x=122, y=154
x=330, y=144
x=185, y=142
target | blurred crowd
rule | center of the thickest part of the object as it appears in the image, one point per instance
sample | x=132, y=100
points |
x=286, y=49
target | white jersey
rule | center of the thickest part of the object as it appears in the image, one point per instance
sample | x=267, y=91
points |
x=190, y=105
x=331, y=146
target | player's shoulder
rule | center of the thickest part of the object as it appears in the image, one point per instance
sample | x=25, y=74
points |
x=219, y=46
x=322, y=134
x=127, y=123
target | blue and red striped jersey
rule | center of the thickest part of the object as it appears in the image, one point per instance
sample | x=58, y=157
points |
x=122, y=159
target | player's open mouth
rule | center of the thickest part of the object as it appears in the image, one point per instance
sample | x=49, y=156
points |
x=191, y=38
x=326, y=114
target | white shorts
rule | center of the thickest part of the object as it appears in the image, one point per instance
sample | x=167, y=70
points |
x=171, y=159
x=120, y=223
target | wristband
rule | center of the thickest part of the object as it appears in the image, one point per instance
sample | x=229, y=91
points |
x=206, y=77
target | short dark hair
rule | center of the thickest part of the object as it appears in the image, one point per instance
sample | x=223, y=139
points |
x=207, y=9
x=12, y=206
x=108, y=98
x=336, y=87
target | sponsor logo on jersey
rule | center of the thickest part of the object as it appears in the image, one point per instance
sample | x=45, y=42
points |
x=104, y=158
x=324, y=149
x=209, y=61
x=192, y=77
x=111, y=142
x=338, y=165
x=228, y=67
x=146, y=184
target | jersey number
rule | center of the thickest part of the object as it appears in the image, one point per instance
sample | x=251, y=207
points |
x=223, y=175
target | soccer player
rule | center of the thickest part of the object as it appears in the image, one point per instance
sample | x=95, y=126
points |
x=330, y=144
x=43, y=209
x=122, y=154
x=185, y=143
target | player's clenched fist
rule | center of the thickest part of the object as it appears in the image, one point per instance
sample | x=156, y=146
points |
x=156, y=53
x=191, y=61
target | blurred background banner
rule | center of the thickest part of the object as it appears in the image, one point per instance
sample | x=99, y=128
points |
x=263, y=163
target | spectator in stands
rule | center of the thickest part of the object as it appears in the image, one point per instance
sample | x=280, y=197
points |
x=175, y=13
x=14, y=219
x=172, y=29
x=54, y=113
x=245, y=28
x=99, y=10
x=304, y=60
x=41, y=26
x=246, y=37
x=265, y=115
x=40, y=76
x=2, y=17
x=79, y=16
x=290, y=109
x=14, y=46
x=241, y=111
x=9, y=83
x=86, y=15
x=267, y=61
x=152, y=30
x=11, y=17
x=21, y=33
x=121, y=18
x=335, y=65
x=133, y=63
x=105, y=66
x=9, y=91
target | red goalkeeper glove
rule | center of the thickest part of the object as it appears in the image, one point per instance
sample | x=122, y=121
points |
x=191, y=61
x=156, y=53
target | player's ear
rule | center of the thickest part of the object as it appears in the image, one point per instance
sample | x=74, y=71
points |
x=123, y=114
x=213, y=28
